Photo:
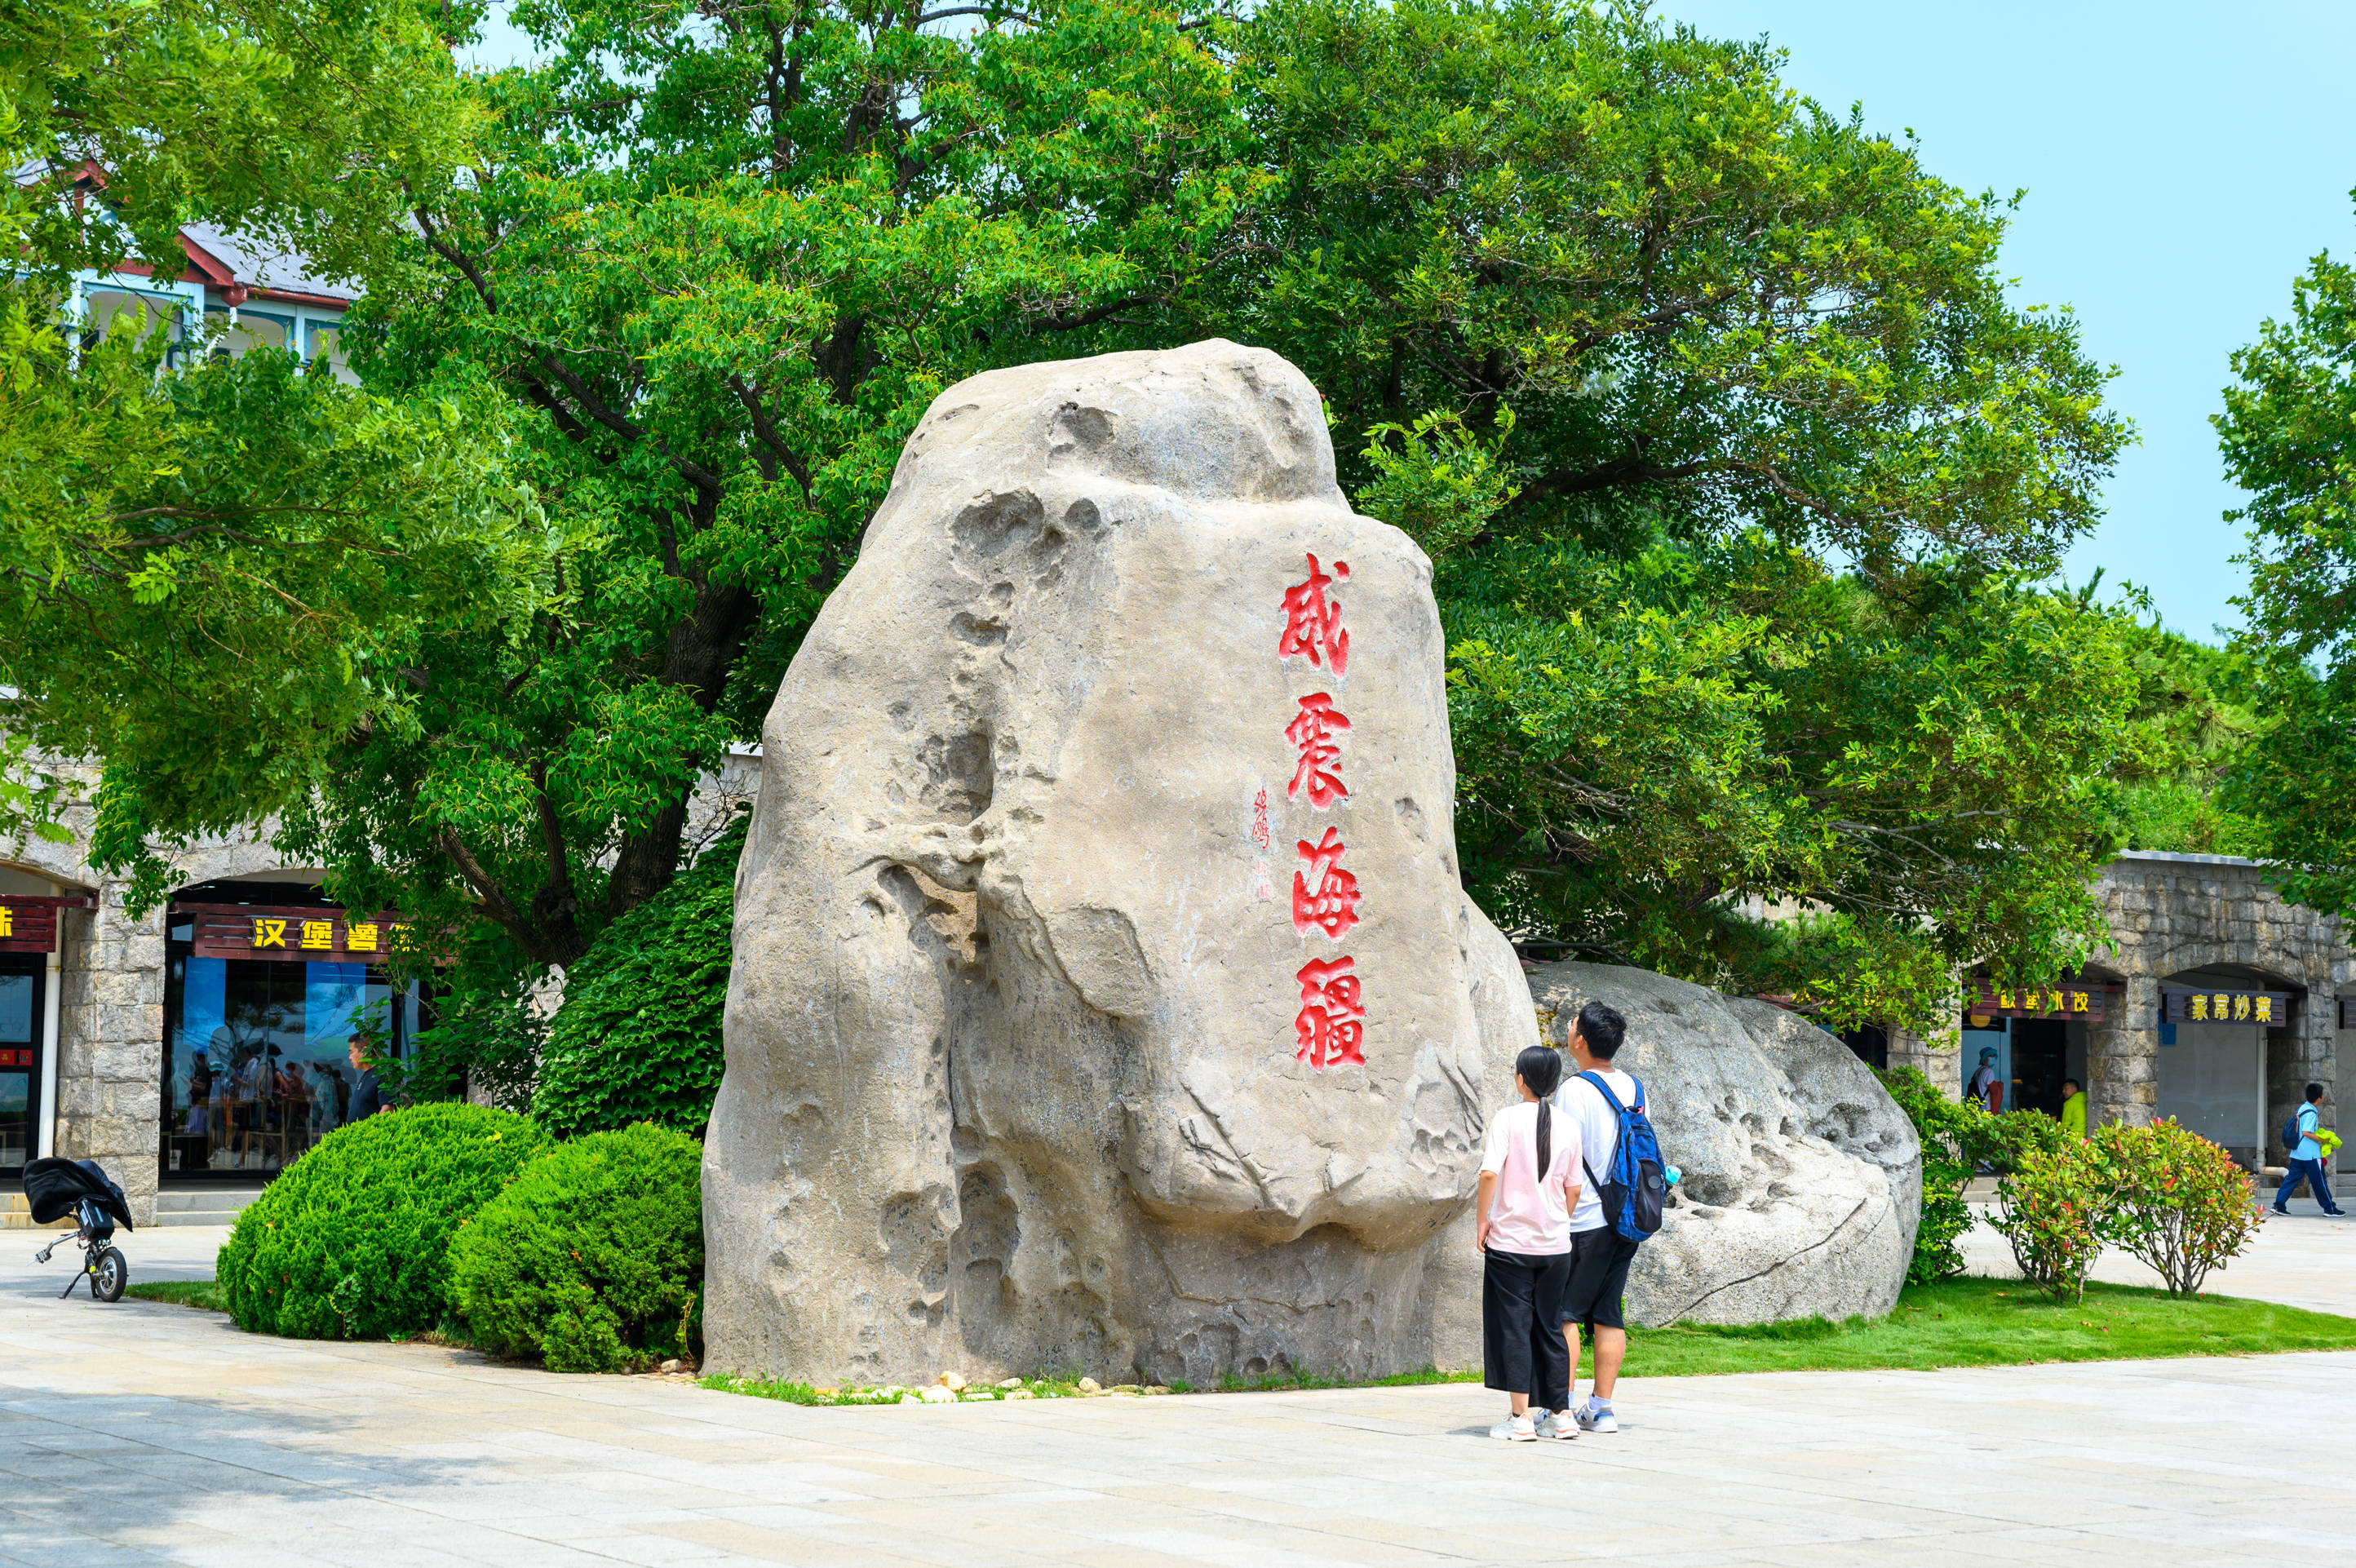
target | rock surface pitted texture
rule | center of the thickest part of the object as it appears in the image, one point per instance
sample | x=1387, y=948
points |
x=1016, y=1076
x=1803, y=1179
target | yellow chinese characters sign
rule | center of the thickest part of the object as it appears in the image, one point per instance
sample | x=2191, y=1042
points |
x=296, y=935
x=2182, y=1004
x=2083, y=1001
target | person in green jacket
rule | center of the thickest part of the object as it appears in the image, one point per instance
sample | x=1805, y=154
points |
x=2074, y=1109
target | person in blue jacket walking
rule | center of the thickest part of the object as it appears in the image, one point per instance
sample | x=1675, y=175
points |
x=2307, y=1156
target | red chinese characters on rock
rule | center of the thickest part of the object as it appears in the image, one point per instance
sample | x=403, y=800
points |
x=1331, y=1027
x=1311, y=734
x=1330, y=904
x=1313, y=626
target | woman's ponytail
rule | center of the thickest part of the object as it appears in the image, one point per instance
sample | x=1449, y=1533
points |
x=1540, y=1070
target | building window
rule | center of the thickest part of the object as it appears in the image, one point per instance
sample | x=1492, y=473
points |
x=257, y=1049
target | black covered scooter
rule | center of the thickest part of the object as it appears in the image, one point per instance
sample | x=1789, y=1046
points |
x=58, y=1188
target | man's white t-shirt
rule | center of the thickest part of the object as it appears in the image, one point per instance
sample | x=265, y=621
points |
x=1599, y=1135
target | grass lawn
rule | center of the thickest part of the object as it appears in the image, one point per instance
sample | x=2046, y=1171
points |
x=1968, y=1322
x=206, y=1293
x=1975, y=1322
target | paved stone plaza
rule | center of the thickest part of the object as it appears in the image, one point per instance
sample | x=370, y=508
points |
x=143, y=1432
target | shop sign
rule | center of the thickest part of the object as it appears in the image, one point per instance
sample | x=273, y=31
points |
x=29, y=924
x=293, y=935
x=2178, y=1006
x=12, y=1057
x=2087, y=1004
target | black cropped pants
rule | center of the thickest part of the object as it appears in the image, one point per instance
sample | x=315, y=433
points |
x=1522, y=1348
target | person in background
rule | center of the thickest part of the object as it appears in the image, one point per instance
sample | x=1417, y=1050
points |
x=2307, y=1157
x=368, y=1094
x=1986, y=1086
x=2074, y=1109
x=1529, y=1183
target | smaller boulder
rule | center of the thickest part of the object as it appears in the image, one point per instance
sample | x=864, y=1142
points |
x=1803, y=1179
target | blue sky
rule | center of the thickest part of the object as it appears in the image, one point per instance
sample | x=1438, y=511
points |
x=2182, y=163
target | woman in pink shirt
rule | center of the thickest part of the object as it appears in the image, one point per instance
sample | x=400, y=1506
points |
x=1529, y=1185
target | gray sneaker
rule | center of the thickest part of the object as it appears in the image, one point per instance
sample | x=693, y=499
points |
x=1515, y=1428
x=1593, y=1417
x=1558, y=1423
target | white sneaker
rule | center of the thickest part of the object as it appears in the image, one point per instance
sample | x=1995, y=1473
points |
x=1558, y=1423
x=1591, y=1418
x=1515, y=1428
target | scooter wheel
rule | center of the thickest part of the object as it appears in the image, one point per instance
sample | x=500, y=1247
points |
x=108, y=1275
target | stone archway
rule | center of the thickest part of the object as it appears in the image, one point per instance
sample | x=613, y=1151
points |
x=2177, y=915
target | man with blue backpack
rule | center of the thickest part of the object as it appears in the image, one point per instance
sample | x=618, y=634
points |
x=1620, y=1202
x=2299, y=1141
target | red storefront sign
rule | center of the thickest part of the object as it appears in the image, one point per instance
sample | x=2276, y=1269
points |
x=293, y=935
x=29, y=923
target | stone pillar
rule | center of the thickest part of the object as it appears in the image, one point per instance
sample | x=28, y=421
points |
x=2301, y=1054
x=110, y=1046
x=1933, y=1054
x=2123, y=1058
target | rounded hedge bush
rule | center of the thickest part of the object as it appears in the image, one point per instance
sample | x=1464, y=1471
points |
x=592, y=1259
x=352, y=1240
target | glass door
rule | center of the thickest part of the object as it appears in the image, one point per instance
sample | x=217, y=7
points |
x=23, y=979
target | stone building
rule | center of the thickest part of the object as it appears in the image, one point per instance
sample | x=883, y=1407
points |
x=195, y=1049
x=2216, y=1002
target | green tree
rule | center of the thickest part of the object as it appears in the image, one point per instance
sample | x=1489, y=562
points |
x=2193, y=718
x=1736, y=458
x=712, y=264
x=2288, y=433
x=1737, y=464
x=205, y=570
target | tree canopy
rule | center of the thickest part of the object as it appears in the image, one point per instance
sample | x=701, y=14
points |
x=1739, y=465
x=206, y=567
x=2288, y=433
x=1740, y=468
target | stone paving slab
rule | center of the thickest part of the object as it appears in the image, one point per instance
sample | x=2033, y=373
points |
x=142, y=1433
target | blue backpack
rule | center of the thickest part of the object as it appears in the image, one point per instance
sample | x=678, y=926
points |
x=1636, y=1190
x=2292, y=1136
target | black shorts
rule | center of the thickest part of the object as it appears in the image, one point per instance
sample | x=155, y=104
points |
x=1598, y=1274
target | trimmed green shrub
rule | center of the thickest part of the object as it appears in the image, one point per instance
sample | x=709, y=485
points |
x=1944, y=1127
x=2000, y=1141
x=638, y=1037
x=593, y=1258
x=351, y=1241
x=2179, y=1203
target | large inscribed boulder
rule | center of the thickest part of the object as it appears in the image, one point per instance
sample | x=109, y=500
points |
x=1104, y=995
x=1803, y=1179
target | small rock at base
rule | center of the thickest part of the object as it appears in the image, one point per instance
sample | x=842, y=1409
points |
x=937, y=1396
x=1157, y=1389
x=952, y=1381
x=1091, y=1386
x=1022, y=1394
x=672, y=1365
x=1012, y=1383
x=911, y=1399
